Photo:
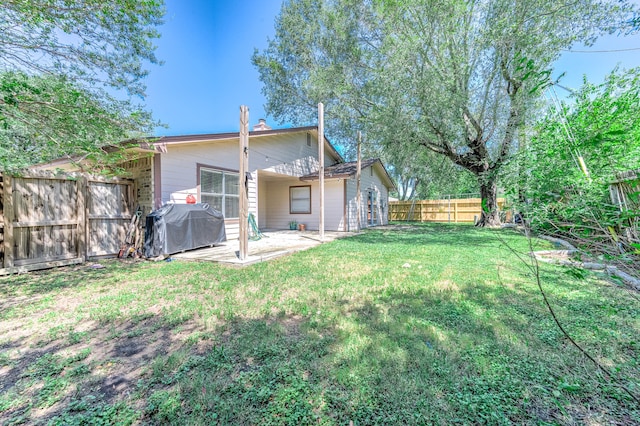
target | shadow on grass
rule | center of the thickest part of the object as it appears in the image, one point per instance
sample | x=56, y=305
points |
x=84, y=377
x=462, y=350
x=49, y=280
x=404, y=358
x=434, y=234
x=420, y=358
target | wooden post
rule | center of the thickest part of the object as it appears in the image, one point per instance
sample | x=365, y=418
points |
x=455, y=210
x=244, y=202
x=8, y=221
x=81, y=229
x=358, y=176
x=321, y=169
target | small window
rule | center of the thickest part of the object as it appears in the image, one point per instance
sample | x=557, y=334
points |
x=308, y=139
x=221, y=190
x=300, y=199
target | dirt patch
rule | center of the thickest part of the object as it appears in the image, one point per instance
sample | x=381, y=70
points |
x=108, y=364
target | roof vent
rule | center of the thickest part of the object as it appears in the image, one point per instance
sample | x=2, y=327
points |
x=262, y=125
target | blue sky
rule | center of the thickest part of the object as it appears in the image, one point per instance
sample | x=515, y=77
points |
x=207, y=46
x=598, y=60
x=207, y=74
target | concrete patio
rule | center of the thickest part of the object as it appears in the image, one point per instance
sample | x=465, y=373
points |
x=272, y=245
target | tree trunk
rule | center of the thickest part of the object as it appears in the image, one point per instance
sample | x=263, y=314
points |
x=489, y=194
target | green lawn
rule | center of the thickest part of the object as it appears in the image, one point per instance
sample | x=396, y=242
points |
x=342, y=332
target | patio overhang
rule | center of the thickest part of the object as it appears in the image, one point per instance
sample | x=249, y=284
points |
x=349, y=170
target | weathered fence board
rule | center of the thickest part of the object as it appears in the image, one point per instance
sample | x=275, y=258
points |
x=109, y=209
x=445, y=210
x=625, y=193
x=44, y=220
x=49, y=220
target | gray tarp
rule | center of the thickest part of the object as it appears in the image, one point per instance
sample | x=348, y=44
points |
x=178, y=227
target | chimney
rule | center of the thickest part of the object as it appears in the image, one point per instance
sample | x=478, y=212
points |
x=262, y=125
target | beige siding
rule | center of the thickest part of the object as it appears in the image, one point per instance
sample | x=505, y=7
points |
x=368, y=183
x=284, y=154
x=277, y=205
x=351, y=217
x=334, y=219
x=262, y=203
x=252, y=191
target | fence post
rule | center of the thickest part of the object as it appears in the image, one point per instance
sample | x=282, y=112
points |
x=81, y=229
x=455, y=210
x=8, y=221
x=87, y=217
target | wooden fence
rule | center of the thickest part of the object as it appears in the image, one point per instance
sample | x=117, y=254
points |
x=446, y=210
x=48, y=220
x=625, y=193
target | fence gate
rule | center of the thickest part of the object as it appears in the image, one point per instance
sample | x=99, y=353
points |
x=49, y=221
x=108, y=212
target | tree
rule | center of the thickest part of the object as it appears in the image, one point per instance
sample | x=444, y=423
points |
x=575, y=153
x=48, y=117
x=423, y=174
x=456, y=78
x=68, y=74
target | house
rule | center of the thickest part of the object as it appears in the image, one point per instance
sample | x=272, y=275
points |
x=282, y=178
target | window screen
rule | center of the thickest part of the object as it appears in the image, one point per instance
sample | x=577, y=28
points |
x=300, y=199
x=221, y=190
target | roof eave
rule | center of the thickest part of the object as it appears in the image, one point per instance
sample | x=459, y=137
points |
x=208, y=137
x=387, y=176
x=335, y=176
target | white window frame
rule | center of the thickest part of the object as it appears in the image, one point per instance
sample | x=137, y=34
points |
x=225, y=196
x=297, y=193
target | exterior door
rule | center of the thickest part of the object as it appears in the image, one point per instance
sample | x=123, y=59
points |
x=372, y=210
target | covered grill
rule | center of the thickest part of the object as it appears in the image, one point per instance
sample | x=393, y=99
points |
x=178, y=227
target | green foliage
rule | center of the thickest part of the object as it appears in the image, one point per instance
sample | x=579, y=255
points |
x=455, y=78
x=44, y=118
x=47, y=366
x=61, y=65
x=423, y=174
x=51, y=391
x=601, y=128
x=163, y=407
x=96, y=42
x=88, y=411
x=5, y=359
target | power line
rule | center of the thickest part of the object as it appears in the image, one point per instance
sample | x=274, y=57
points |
x=601, y=51
x=268, y=157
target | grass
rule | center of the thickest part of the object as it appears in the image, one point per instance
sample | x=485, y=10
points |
x=430, y=324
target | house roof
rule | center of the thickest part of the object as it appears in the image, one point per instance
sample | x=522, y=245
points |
x=157, y=143
x=347, y=170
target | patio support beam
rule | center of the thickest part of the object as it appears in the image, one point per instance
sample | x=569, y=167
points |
x=321, y=170
x=358, y=177
x=244, y=163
